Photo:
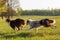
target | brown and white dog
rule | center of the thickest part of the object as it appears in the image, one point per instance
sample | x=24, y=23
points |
x=16, y=24
x=41, y=23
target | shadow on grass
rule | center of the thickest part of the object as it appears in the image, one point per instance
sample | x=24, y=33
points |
x=19, y=35
x=2, y=34
x=24, y=35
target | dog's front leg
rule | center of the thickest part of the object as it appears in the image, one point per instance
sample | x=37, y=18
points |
x=53, y=26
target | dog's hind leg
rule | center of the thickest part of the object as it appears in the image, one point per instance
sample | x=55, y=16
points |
x=29, y=28
x=16, y=29
x=36, y=30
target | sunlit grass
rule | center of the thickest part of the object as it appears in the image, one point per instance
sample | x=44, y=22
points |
x=7, y=33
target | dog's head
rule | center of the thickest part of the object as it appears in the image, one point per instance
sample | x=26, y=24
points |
x=52, y=22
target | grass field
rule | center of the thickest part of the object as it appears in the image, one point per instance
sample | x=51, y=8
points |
x=7, y=33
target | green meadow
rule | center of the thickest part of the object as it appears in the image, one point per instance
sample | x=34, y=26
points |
x=7, y=33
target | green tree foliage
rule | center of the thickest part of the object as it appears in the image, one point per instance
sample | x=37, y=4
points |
x=9, y=8
x=2, y=2
x=3, y=6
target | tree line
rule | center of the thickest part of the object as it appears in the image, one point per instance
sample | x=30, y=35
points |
x=52, y=12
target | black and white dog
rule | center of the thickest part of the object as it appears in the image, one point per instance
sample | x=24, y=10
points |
x=41, y=23
x=16, y=24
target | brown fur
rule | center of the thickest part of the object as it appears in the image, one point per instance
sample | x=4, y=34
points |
x=16, y=23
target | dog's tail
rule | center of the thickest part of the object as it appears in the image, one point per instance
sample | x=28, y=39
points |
x=7, y=20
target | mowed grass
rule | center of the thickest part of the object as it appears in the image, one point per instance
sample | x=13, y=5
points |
x=7, y=33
